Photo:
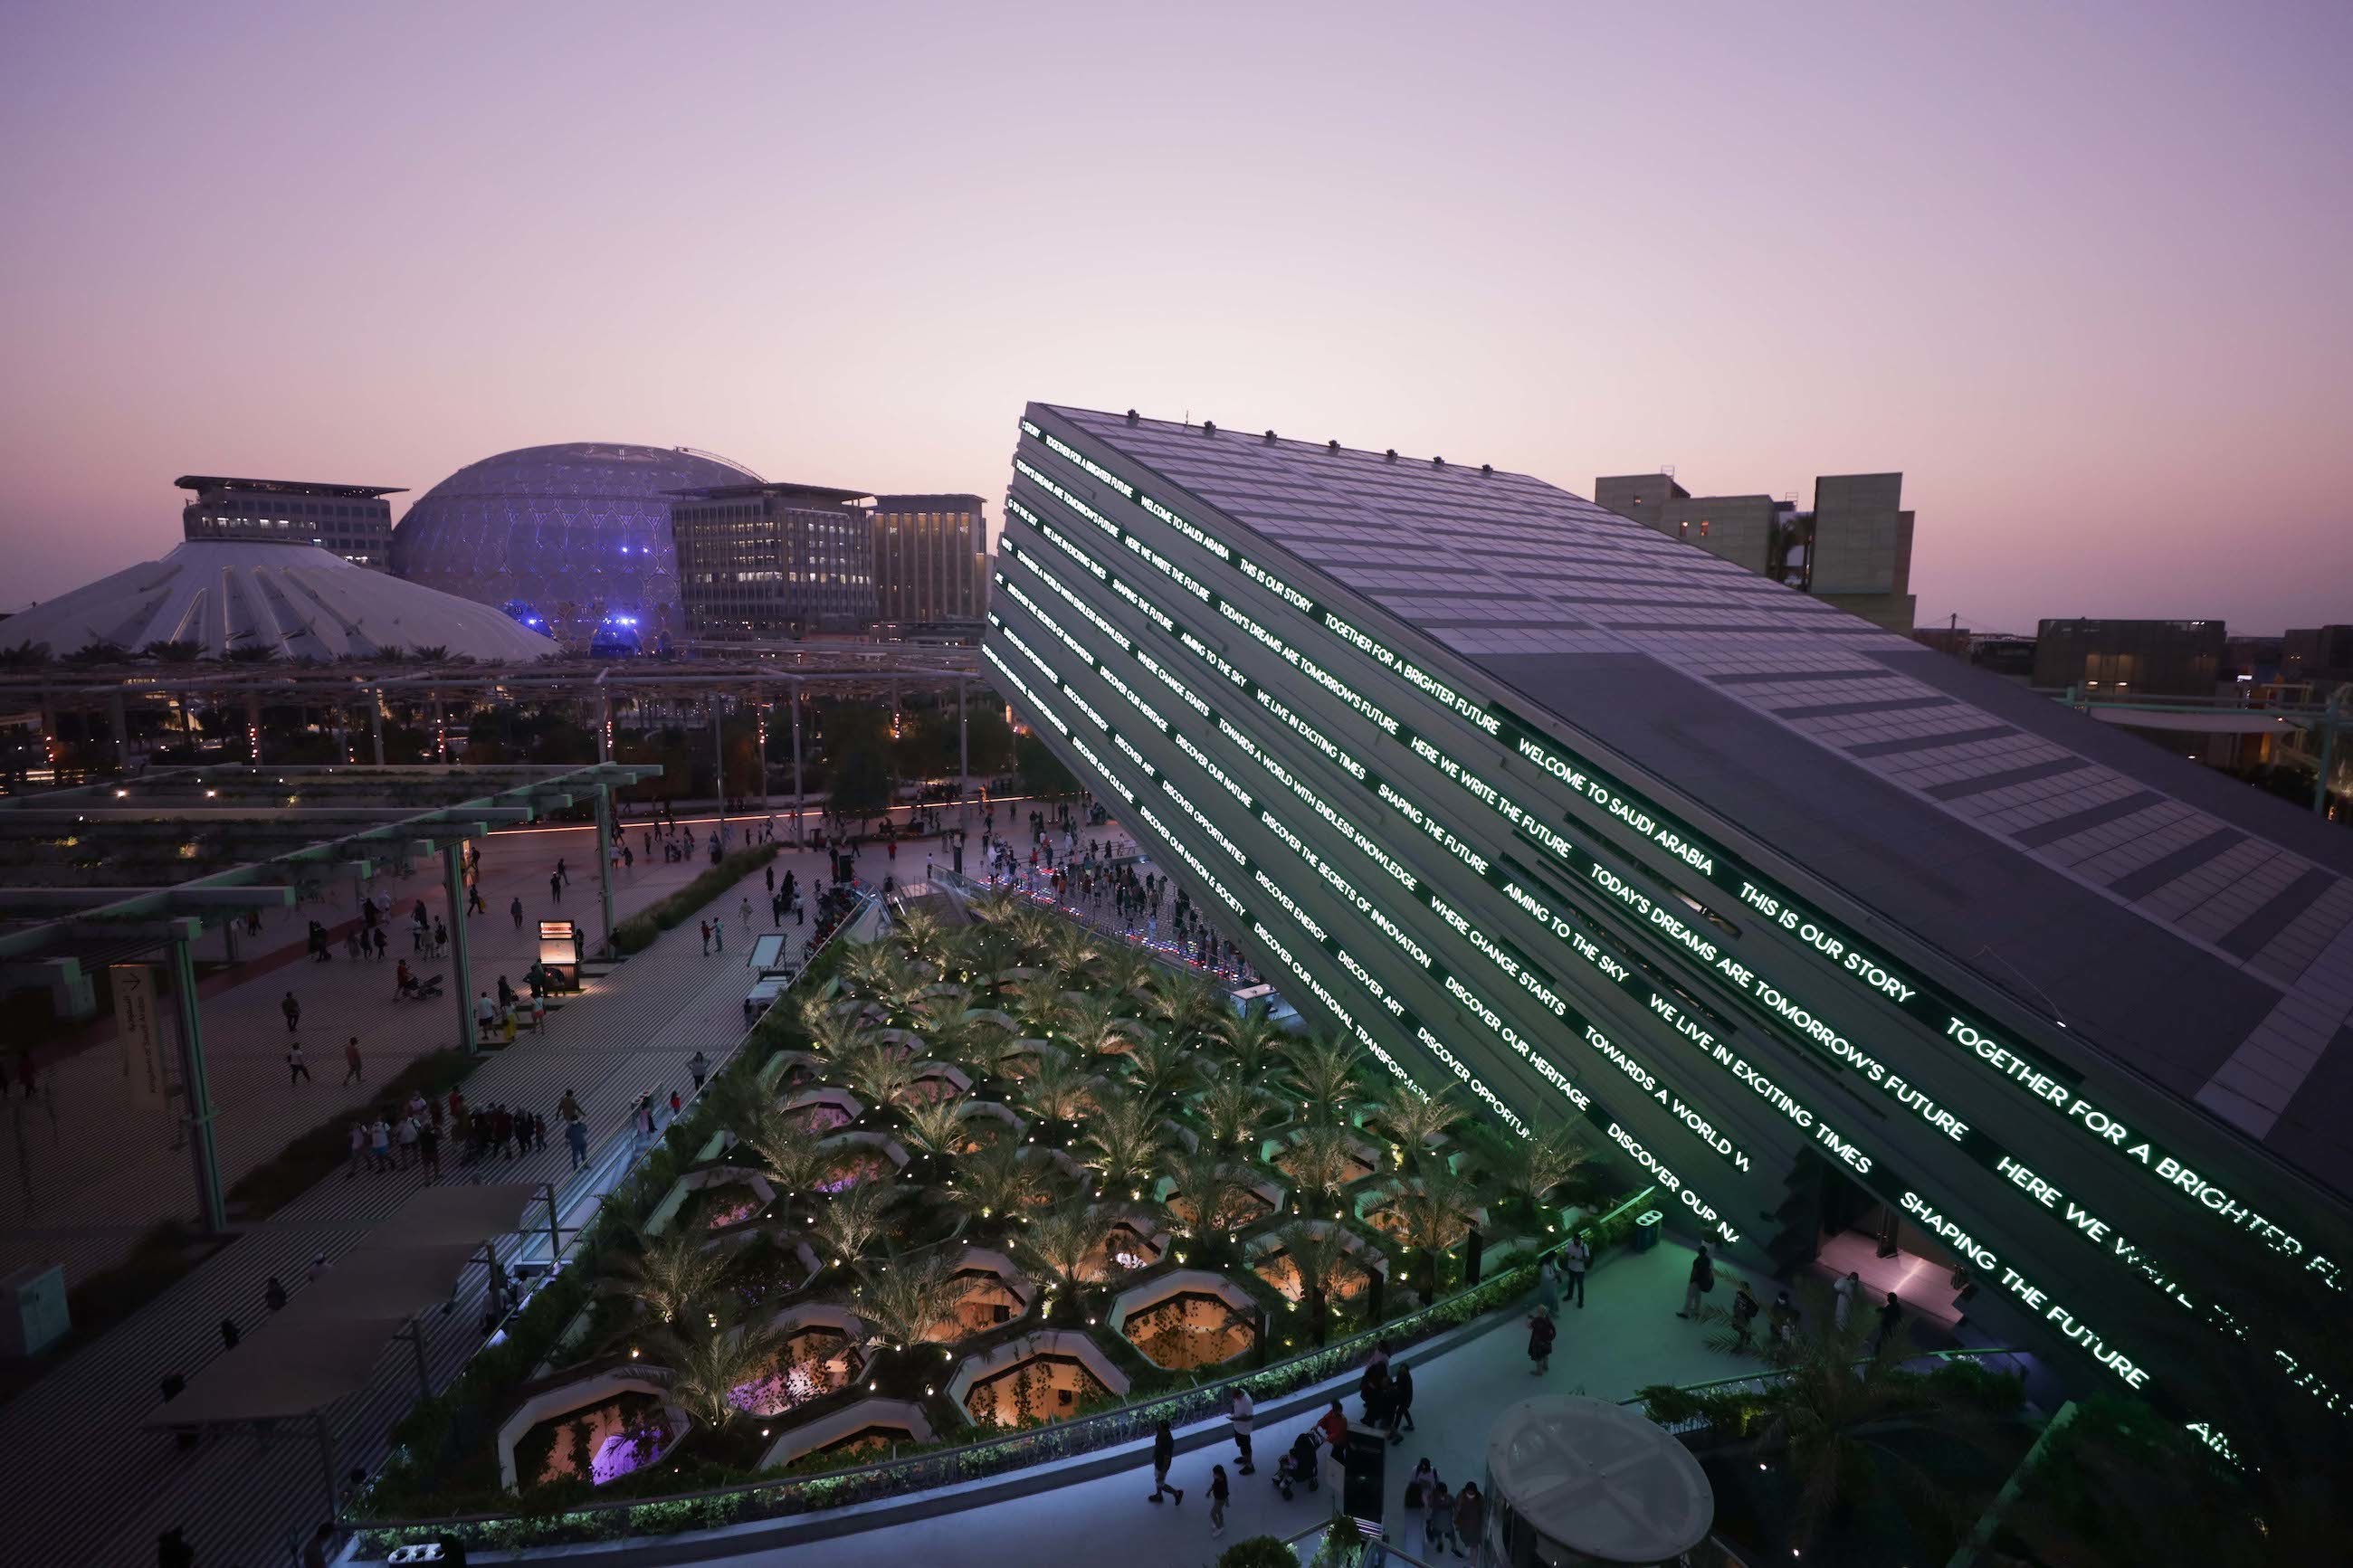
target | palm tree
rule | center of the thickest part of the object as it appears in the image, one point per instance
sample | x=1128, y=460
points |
x=1324, y=1262
x=1324, y=1075
x=900, y=987
x=907, y=1298
x=1072, y=949
x=788, y=1149
x=1090, y=1024
x=850, y=1222
x=1122, y=974
x=880, y=1073
x=1037, y=1003
x=669, y=1274
x=1158, y=1066
x=1185, y=1002
x=995, y=1179
x=920, y=934
x=1431, y=1212
x=178, y=651
x=938, y=1127
x=1217, y=1193
x=839, y=1034
x=1060, y=1243
x=865, y=966
x=1253, y=1040
x=1323, y=1160
x=1123, y=1143
x=1059, y=1091
x=1416, y=1119
x=1531, y=1169
x=1230, y=1110
x=703, y=1363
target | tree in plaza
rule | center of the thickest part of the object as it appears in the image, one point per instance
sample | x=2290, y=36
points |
x=1324, y=1262
x=1429, y=1213
x=1073, y=950
x=703, y=1359
x=850, y=1223
x=995, y=1180
x=668, y=1273
x=1059, y=1244
x=1059, y=1091
x=906, y=1298
x=788, y=1149
x=1092, y=1026
x=1123, y=1143
x=1215, y=1192
x=1041, y=771
x=938, y=1127
x=1531, y=1170
x=1253, y=1040
x=1041, y=1004
x=1323, y=1160
x=861, y=778
x=1417, y=1121
x=1230, y=1110
x=1185, y=1003
x=1159, y=1068
x=1323, y=1074
x=880, y=1074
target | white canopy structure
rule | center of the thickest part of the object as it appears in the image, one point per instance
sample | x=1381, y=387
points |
x=296, y=599
x=1578, y=1480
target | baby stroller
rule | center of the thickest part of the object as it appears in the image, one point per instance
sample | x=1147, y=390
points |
x=1297, y=1466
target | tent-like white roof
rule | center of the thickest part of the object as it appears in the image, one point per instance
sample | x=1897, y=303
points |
x=298, y=599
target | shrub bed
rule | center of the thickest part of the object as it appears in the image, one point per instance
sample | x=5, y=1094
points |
x=308, y=1157
x=637, y=933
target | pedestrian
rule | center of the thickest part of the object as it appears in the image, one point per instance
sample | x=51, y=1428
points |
x=1469, y=1517
x=1417, y=1487
x=318, y=1265
x=377, y=940
x=1243, y=1413
x=1400, y=1403
x=706, y=938
x=428, y=1148
x=353, y=1072
x=1578, y=1256
x=1548, y=1287
x=1784, y=1317
x=440, y=935
x=1744, y=1308
x=1334, y=1425
x=1164, y=1454
x=718, y=935
x=1701, y=1280
x=406, y=1133
x=743, y=910
x=1540, y=1338
x=568, y=1108
x=1891, y=1323
x=273, y=1295
x=293, y=1011
x=380, y=1144
x=359, y=1149
x=1219, y=1490
x=1373, y=1388
x=515, y=909
x=674, y=1104
x=295, y=1071
x=1438, y=1520
x=555, y=885
x=1842, y=1296
x=538, y=1131
x=486, y=1012
x=229, y=1334
x=457, y=1111
x=538, y=1014
x=575, y=1134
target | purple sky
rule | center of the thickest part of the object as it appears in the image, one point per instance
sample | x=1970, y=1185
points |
x=2080, y=271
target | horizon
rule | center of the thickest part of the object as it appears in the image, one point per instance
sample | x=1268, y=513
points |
x=2067, y=273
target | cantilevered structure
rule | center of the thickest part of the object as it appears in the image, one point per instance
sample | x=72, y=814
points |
x=1811, y=924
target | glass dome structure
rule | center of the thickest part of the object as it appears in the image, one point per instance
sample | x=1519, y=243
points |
x=579, y=532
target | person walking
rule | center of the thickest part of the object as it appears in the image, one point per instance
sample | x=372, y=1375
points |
x=486, y=1013
x=293, y=1011
x=1744, y=1308
x=1164, y=1454
x=380, y=1144
x=1891, y=1323
x=295, y=1071
x=1540, y=1338
x=718, y=933
x=440, y=935
x=1438, y=1517
x=700, y=1066
x=428, y=1148
x=1843, y=1295
x=1470, y=1518
x=706, y=938
x=407, y=1131
x=575, y=1136
x=555, y=885
x=515, y=909
x=1701, y=1280
x=353, y=1072
x=1400, y=1403
x=1549, y=1286
x=1243, y=1413
x=1578, y=1257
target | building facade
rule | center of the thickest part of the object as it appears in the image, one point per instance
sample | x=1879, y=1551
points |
x=2317, y=656
x=352, y=520
x=931, y=559
x=1852, y=550
x=2129, y=658
x=779, y=560
x=1821, y=935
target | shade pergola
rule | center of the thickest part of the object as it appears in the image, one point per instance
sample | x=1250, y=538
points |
x=287, y=1370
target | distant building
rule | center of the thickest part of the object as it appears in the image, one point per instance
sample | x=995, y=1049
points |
x=2130, y=658
x=1854, y=548
x=2318, y=657
x=774, y=560
x=931, y=559
x=352, y=520
x=2252, y=660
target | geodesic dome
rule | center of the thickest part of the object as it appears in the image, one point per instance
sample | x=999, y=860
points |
x=579, y=532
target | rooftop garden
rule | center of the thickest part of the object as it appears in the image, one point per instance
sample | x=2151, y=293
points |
x=989, y=1172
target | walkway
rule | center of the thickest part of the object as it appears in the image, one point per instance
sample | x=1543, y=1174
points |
x=86, y=1484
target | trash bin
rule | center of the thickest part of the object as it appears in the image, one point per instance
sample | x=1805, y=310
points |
x=1646, y=1229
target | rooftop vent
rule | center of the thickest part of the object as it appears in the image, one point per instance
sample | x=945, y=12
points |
x=1209, y=426
x=1131, y=417
x=1392, y=456
x=1333, y=447
x=1438, y=462
x=1269, y=437
x=1486, y=468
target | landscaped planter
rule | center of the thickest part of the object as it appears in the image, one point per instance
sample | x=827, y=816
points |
x=742, y=1194
x=1041, y=1376
x=852, y=1433
x=618, y=1426
x=1186, y=1319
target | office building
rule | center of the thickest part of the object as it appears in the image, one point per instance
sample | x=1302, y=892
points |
x=352, y=520
x=576, y=535
x=765, y=560
x=931, y=559
x=2129, y=658
x=1852, y=550
x=1847, y=950
x=2317, y=656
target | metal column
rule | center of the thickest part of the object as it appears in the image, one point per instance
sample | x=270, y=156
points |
x=760, y=749
x=453, y=874
x=604, y=723
x=376, y=723
x=194, y=1085
x=2331, y=718
x=253, y=727
x=121, y=723
x=604, y=860
x=964, y=749
x=800, y=838
x=719, y=768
